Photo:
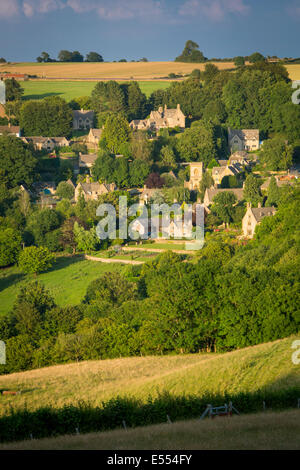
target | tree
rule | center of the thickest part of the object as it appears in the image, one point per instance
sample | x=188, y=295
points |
x=209, y=73
x=136, y=101
x=116, y=132
x=65, y=190
x=108, y=96
x=138, y=172
x=111, y=288
x=239, y=61
x=141, y=148
x=67, y=238
x=256, y=57
x=94, y=57
x=13, y=90
x=274, y=193
x=206, y=183
x=41, y=224
x=154, y=180
x=103, y=167
x=252, y=191
x=223, y=205
x=198, y=143
x=277, y=154
x=10, y=246
x=44, y=57
x=51, y=117
x=67, y=56
x=191, y=53
x=17, y=163
x=168, y=159
x=86, y=240
x=34, y=260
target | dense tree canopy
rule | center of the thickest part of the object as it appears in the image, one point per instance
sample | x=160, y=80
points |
x=17, y=163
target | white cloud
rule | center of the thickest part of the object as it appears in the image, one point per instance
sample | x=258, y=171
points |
x=119, y=9
x=215, y=10
x=31, y=7
x=8, y=8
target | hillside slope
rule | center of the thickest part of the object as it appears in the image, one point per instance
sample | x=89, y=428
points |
x=268, y=366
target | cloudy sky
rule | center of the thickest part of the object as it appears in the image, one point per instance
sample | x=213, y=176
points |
x=156, y=29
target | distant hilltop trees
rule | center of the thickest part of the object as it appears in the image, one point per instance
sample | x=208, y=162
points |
x=191, y=53
x=68, y=56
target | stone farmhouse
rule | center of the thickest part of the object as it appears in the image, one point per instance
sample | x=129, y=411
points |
x=94, y=137
x=91, y=191
x=10, y=130
x=212, y=192
x=46, y=143
x=163, y=118
x=219, y=172
x=253, y=217
x=83, y=119
x=87, y=161
x=245, y=139
x=196, y=174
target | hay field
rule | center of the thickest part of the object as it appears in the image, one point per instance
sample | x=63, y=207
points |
x=266, y=366
x=118, y=70
x=264, y=431
x=107, y=70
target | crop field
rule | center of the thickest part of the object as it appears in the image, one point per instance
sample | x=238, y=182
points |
x=107, y=70
x=69, y=90
x=119, y=70
x=266, y=367
x=67, y=281
x=263, y=431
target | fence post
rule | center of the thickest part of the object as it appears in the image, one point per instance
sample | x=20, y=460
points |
x=124, y=425
x=264, y=405
x=77, y=431
x=169, y=420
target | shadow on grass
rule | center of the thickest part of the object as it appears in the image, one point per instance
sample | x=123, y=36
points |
x=7, y=281
x=65, y=261
x=41, y=96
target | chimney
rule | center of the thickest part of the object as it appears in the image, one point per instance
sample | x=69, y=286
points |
x=178, y=107
x=88, y=179
x=259, y=205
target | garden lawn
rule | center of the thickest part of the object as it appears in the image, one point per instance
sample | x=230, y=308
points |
x=67, y=280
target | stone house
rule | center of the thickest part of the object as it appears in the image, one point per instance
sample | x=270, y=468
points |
x=87, y=161
x=218, y=172
x=10, y=130
x=91, y=191
x=46, y=143
x=94, y=137
x=212, y=192
x=239, y=157
x=163, y=118
x=83, y=119
x=196, y=174
x=146, y=194
x=253, y=217
x=245, y=139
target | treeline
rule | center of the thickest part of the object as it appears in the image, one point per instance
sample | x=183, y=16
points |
x=84, y=418
x=69, y=56
x=229, y=297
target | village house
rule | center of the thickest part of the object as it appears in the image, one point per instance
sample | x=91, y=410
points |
x=83, y=119
x=245, y=139
x=253, y=217
x=87, y=160
x=285, y=180
x=46, y=143
x=91, y=191
x=163, y=118
x=212, y=192
x=218, y=172
x=146, y=194
x=10, y=130
x=94, y=137
x=239, y=157
x=196, y=174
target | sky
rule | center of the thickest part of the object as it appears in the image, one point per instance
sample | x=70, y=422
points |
x=155, y=29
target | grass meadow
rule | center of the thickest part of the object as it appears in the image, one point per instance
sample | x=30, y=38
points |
x=266, y=367
x=263, y=431
x=69, y=90
x=67, y=280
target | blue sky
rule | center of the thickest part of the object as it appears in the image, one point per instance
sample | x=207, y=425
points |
x=156, y=29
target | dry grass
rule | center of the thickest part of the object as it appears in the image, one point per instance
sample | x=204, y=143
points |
x=268, y=431
x=108, y=70
x=118, y=71
x=266, y=366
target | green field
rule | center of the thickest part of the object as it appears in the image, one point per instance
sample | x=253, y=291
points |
x=67, y=281
x=266, y=367
x=74, y=89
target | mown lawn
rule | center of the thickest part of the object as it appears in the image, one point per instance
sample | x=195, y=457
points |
x=70, y=90
x=67, y=280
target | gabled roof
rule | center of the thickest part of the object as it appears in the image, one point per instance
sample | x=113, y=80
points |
x=86, y=113
x=89, y=158
x=96, y=132
x=212, y=192
x=10, y=129
x=261, y=212
x=249, y=134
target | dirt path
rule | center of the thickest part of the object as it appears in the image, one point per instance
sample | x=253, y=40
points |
x=112, y=260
